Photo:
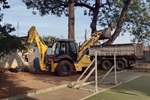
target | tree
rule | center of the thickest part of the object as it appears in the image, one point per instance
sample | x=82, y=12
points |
x=71, y=20
x=55, y=7
x=118, y=14
x=140, y=21
x=48, y=40
x=8, y=43
x=128, y=16
x=59, y=7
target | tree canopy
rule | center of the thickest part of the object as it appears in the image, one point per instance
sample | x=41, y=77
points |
x=48, y=40
x=59, y=7
x=136, y=19
x=123, y=15
x=8, y=43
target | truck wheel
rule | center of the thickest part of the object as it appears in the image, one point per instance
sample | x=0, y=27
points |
x=106, y=64
x=120, y=65
x=64, y=68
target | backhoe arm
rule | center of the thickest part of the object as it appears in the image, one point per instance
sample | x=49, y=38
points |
x=86, y=44
x=42, y=48
x=103, y=34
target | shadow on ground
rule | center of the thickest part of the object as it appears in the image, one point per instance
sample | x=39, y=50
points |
x=9, y=88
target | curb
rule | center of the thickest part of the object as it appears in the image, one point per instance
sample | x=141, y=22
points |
x=32, y=93
x=36, y=92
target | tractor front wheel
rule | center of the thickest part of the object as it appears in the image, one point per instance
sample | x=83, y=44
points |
x=64, y=68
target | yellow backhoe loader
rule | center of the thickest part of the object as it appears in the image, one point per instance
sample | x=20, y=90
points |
x=65, y=57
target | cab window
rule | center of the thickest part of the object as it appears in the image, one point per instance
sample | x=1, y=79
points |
x=73, y=47
x=57, y=49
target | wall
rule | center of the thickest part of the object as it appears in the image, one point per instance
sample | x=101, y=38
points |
x=15, y=60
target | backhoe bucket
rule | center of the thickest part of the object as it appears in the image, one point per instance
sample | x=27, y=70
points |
x=31, y=56
x=106, y=34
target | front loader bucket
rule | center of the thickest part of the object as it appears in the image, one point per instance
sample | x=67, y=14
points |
x=106, y=33
x=31, y=56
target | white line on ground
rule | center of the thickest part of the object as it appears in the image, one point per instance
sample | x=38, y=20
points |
x=110, y=88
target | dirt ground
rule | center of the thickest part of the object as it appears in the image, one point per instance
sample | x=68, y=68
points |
x=12, y=84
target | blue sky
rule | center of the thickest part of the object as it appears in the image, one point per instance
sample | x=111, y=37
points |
x=49, y=24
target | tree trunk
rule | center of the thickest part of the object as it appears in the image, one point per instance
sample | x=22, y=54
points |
x=71, y=20
x=95, y=16
x=120, y=22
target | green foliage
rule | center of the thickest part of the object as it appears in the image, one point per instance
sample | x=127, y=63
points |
x=8, y=43
x=60, y=7
x=48, y=40
x=137, y=19
x=54, y=7
x=4, y=5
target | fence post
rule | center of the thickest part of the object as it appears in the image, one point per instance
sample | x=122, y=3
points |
x=115, y=68
x=96, y=85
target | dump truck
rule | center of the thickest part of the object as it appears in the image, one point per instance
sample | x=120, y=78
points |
x=126, y=55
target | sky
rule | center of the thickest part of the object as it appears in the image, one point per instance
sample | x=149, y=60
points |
x=49, y=25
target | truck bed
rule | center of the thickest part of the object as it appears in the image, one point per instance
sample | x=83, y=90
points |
x=135, y=50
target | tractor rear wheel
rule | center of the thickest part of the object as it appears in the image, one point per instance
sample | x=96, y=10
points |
x=64, y=68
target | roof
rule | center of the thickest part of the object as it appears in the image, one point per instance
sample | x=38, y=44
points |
x=23, y=38
x=64, y=40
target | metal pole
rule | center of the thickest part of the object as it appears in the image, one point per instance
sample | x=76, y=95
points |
x=115, y=68
x=149, y=48
x=96, y=86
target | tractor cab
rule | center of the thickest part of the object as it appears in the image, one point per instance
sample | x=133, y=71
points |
x=65, y=47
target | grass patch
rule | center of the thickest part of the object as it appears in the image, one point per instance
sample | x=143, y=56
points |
x=137, y=89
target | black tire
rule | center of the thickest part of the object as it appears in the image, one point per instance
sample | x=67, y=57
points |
x=64, y=68
x=120, y=65
x=106, y=64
